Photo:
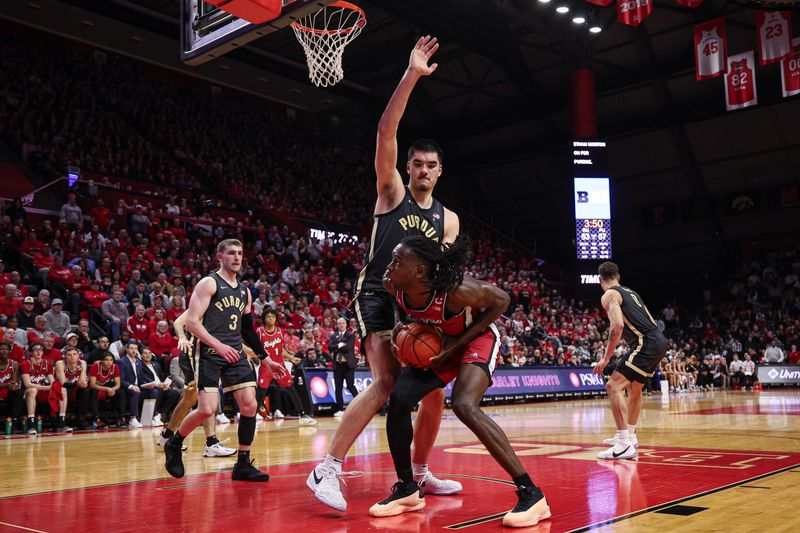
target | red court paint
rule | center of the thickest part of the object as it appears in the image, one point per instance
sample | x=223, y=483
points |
x=581, y=491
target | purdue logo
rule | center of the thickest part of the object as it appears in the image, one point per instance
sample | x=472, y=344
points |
x=417, y=222
x=230, y=301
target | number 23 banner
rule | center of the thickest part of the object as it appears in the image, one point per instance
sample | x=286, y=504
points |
x=710, y=49
x=740, y=82
x=774, y=36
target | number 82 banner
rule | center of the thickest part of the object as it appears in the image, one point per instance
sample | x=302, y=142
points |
x=740, y=82
x=710, y=49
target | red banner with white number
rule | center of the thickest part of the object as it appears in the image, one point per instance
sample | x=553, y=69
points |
x=633, y=12
x=740, y=82
x=790, y=72
x=774, y=36
x=710, y=48
x=694, y=4
x=602, y=3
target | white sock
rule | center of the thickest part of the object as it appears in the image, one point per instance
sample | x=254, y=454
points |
x=632, y=429
x=333, y=463
x=623, y=436
x=419, y=470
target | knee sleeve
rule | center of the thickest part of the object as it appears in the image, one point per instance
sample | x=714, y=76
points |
x=247, y=430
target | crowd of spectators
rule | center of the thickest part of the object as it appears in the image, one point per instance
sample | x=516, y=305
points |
x=98, y=287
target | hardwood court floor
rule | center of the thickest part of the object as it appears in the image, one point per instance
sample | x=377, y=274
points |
x=718, y=461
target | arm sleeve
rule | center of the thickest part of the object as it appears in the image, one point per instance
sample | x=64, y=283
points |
x=250, y=337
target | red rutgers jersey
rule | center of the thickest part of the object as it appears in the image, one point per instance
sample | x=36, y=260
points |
x=102, y=376
x=38, y=372
x=790, y=76
x=72, y=376
x=436, y=314
x=633, y=12
x=5, y=377
x=740, y=84
x=273, y=345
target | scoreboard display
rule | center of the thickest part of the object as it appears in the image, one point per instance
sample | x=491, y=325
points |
x=592, y=200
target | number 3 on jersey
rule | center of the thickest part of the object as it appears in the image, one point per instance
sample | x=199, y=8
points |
x=234, y=322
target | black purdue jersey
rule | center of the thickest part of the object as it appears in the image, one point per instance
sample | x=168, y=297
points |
x=634, y=314
x=223, y=318
x=388, y=229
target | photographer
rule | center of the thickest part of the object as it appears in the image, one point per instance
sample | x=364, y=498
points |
x=342, y=348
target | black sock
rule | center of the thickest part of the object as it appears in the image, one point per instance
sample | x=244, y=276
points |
x=167, y=433
x=212, y=440
x=243, y=457
x=31, y=422
x=406, y=476
x=524, y=482
x=177, y=438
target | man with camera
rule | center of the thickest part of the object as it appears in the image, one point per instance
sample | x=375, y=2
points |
x=341, y=346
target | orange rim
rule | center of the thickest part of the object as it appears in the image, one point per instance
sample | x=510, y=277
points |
x=362, y=20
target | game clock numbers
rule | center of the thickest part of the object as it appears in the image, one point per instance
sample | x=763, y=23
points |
x=592, y=218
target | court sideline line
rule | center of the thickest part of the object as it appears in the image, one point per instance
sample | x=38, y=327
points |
x=22, y=527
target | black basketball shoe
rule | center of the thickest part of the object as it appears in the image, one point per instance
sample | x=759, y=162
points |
x=530, y=509
x=173, y=461
x=406, y=497
x=247, y=472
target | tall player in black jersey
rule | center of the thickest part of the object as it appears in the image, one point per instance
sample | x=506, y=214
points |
x=629, y=319
x=219, y=319
x=400, y=211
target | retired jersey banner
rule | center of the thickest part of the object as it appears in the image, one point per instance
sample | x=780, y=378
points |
x=774, y=36
x=790, y=72
x=694, y=4
x=633, y=12
x=602, y=3
x=740, y=82
x=710, y=49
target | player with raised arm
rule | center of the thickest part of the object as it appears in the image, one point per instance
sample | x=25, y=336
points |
x=400, y=211
x=219, y=319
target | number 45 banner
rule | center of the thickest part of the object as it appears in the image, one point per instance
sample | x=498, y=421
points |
x=710, y=49
x=740, y=82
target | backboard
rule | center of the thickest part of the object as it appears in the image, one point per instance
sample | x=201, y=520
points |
x=208, y=32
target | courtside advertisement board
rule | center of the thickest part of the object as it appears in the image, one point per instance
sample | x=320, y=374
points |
x=778, y=374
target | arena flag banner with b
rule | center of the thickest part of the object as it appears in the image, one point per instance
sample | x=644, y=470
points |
x=710, y=48
x=693, y=4
x=633, y=12
x=740, y=82
x=790, y=72
x=774, y=36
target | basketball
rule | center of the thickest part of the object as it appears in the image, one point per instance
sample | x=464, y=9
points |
x=417, y=344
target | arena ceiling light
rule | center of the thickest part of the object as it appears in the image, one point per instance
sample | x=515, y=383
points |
x=544, y=1
x=562, y=9
x=579, y=19
x=595, y=29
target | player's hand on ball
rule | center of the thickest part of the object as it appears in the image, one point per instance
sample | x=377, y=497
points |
x=397, y=328
x=421, y=54
x=449, y=344
x=229, y=353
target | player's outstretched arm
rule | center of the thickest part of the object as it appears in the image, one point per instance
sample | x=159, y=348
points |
x=390, y=183
x=477, y=295
x=198, y=306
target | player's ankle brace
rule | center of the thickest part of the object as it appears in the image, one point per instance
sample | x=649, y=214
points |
x=247, y=430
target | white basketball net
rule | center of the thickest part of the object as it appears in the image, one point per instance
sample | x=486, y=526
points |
x=324, y=35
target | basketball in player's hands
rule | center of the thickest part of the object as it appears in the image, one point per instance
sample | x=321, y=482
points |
x=417, y=344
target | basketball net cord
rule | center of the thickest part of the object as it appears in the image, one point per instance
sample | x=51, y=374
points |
x=324, y=36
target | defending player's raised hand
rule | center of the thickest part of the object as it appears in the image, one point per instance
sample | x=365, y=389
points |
x=421, y=54
x=228, y=353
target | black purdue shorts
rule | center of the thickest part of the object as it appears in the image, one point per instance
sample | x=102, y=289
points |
x=374, y=312
x=212, y=368
x=640, y=364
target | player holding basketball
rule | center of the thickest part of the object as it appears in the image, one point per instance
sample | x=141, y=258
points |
x=399, y=211
x=428, y=284
x=214, y=447
x=629, y=319
x=219, y=318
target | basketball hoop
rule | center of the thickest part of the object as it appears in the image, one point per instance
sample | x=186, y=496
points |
x=324, y=35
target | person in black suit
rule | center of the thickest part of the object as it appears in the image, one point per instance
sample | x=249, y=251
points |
x=130, y=369
x=155, y=385
x=341, y=345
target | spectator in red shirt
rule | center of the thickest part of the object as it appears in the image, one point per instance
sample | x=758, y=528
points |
x=51, y=353
x=32, y=245
x=101, y=216
x=161, y=342
x=793, y=356
x=59, y=273
x=77, y=285
x=37, y=378
x=17, y=352
x=137, y=325
x=9, y=302
x=39, y=330
x=16, y=279
x=158, y=316
x=176, y=309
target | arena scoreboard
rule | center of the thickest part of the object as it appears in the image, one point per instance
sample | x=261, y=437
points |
x=592, y=200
